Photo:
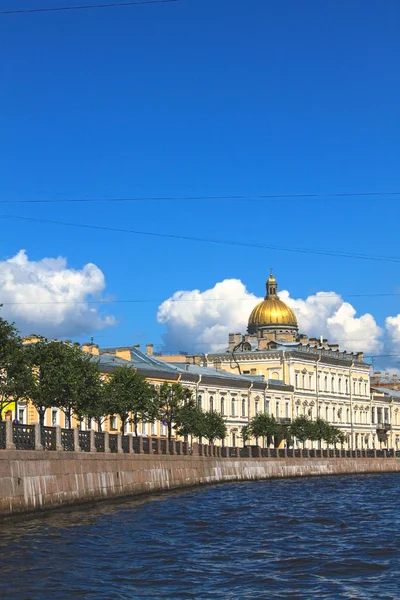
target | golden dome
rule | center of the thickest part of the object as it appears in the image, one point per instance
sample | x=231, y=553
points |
x=272, y=311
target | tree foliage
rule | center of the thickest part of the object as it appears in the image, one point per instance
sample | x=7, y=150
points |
x=263, y=425
x=14, y=371
x=214, y=426
x=171, y=400
x=128, y=393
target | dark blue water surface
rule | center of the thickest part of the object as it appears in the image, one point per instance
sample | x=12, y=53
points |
x=328, y=537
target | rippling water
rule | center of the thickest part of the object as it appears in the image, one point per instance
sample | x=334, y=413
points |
x=331, y=537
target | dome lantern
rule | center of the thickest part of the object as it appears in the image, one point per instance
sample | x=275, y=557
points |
x=272, y=318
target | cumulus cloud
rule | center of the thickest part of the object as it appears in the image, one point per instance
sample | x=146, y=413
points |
x=48, y=298
x=201, y=321
x=393, y=329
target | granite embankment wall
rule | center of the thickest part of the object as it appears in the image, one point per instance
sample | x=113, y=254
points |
x=35, y=480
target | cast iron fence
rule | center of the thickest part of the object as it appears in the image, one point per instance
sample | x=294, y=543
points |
x=84, y=441
x=24, y=437
x=125, y=443
x=113, y=442
x=99, y=441
x=67, y=439
x=48, y=438
x=2, y=435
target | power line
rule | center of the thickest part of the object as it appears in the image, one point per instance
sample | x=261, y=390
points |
x=83, y=7
x=204, y=197
x=155, y=301
x=393, y=259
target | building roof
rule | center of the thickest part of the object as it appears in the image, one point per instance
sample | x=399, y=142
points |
x=387, y=391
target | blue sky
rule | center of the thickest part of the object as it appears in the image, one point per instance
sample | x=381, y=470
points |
x=205, y=97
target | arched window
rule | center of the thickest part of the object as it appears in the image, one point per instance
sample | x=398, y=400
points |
x=211, y=403
x=348, y=415
x=347, y=386
x=233, y=407
x=199, y=401
x=359, y=388
x=303, y=381
x=340, y=385
x=222, y=405
x=332, y=384
x=256, y=407
x=243, y=407
x=327, y=413
x=326, y=383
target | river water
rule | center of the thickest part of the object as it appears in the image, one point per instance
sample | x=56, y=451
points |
x=328, y=537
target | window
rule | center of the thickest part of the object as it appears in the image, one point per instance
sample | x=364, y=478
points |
x=365, y=389
x=332, y=384
x=54, y=417
x=233, y=439
x=153, y=429
x=354, y=387
x=266, y=406
x=387, y=415
x=233, y=407
x=340, y=385
x=327, y=413
x=355, y=416
x=347, y=386
x=199, y=401
x=334, y=414
x=303, y=381
x=113, y=422
x=359, y=388
x=243, y=407
x=310, y=382
x=326, y=383
x=348, y=415
x=256, y=407
x=21, y=416
x=211, y=404
x=297, y=380
x=297, y=410
x=277, y=408
x=222, y=405
x=287, y=410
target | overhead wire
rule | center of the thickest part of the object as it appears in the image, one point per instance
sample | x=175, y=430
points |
x=15, y=11
x=245, y=197
x=392, y=259
x=156, y=301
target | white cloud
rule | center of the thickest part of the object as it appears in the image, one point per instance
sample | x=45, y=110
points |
x=393, y=329
x=36, y=286
x=202, y=320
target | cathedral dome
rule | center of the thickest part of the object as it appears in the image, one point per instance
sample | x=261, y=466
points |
x=271, y=311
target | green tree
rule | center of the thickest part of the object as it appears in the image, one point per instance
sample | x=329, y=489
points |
x=263, y=425
x=190, y=420
x=128, y=393
x=92, y=403
x=301, y=428
x=214, y=426
x=14, y=370
x=172, y=398
x=245, y=433
x=61, y=376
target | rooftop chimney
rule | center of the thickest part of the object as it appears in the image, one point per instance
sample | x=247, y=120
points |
x=149, y=349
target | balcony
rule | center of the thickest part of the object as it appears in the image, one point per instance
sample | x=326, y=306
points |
x=383, y=427
x=284, y=420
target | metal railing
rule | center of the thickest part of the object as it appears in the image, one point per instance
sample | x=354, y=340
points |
x=2, y=435
x=48, y=438
x=67, y=440
x=99, y=441
x=84, y=441
x=24, y=437
x=113, y=442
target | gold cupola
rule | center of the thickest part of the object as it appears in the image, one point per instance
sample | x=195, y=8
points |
x=272, y=315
